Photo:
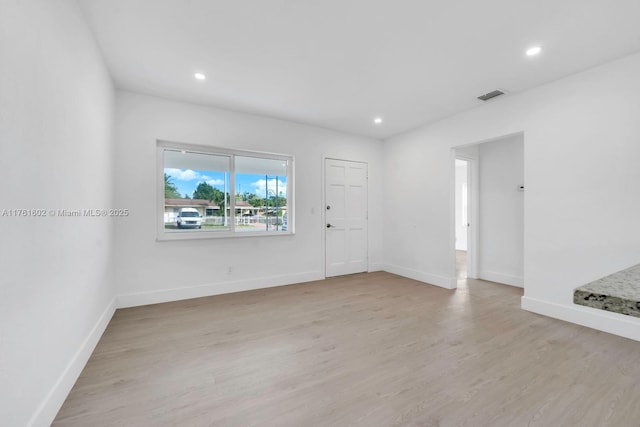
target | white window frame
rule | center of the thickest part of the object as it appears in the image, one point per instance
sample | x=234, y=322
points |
x=163, y=145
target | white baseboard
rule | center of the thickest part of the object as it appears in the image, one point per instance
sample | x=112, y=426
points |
x=375, y=267
x=613, y=323
x=432, y=279
x=176, y=294
x=48, y=409
x=505, y=279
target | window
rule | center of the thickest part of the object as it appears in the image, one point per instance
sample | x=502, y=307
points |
x=216, y=192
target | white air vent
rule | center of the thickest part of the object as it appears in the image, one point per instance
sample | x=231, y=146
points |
x=488, y=96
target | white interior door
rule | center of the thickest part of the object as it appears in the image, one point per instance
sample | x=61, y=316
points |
x=345, y=217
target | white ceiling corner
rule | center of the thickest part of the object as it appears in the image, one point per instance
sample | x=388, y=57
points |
x=340, y=63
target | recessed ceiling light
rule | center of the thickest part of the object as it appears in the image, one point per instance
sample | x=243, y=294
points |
x=533, y=51
x=377, y=120
x=200, y=76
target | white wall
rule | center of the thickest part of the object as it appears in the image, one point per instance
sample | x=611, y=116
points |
x=149, y=271
x=501, y=204
x=56, y=110
x=582, y=145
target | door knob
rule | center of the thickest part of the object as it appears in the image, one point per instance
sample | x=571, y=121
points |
x=329, y=225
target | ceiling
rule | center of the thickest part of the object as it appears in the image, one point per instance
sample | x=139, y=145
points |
x=338, y=64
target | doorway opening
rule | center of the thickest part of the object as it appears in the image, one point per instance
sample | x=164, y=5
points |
x=462, y=217
x=488, y=211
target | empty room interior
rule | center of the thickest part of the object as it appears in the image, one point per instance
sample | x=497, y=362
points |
x=330, y=213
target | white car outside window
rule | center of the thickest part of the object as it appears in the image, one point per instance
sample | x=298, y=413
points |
x=189, y=218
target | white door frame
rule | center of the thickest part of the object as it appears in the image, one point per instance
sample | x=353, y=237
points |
x=473, y=242
x=473, y=191
x=323, y=215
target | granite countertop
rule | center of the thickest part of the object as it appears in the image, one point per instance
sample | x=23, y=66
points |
x=619, y=292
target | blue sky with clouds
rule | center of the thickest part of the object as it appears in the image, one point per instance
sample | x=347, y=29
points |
x=186, y=180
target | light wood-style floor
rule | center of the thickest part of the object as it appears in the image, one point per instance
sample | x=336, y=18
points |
x=461, y=264
x=363, y=350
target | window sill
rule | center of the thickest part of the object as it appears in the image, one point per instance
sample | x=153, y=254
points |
x=197, y=235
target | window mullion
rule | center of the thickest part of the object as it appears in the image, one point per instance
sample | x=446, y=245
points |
x=232, y=193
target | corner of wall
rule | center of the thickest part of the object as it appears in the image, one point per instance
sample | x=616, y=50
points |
x=52, y=403
x=505, y=279
x=421, y=276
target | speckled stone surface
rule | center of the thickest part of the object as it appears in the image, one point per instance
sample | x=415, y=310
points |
x=618, y=292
